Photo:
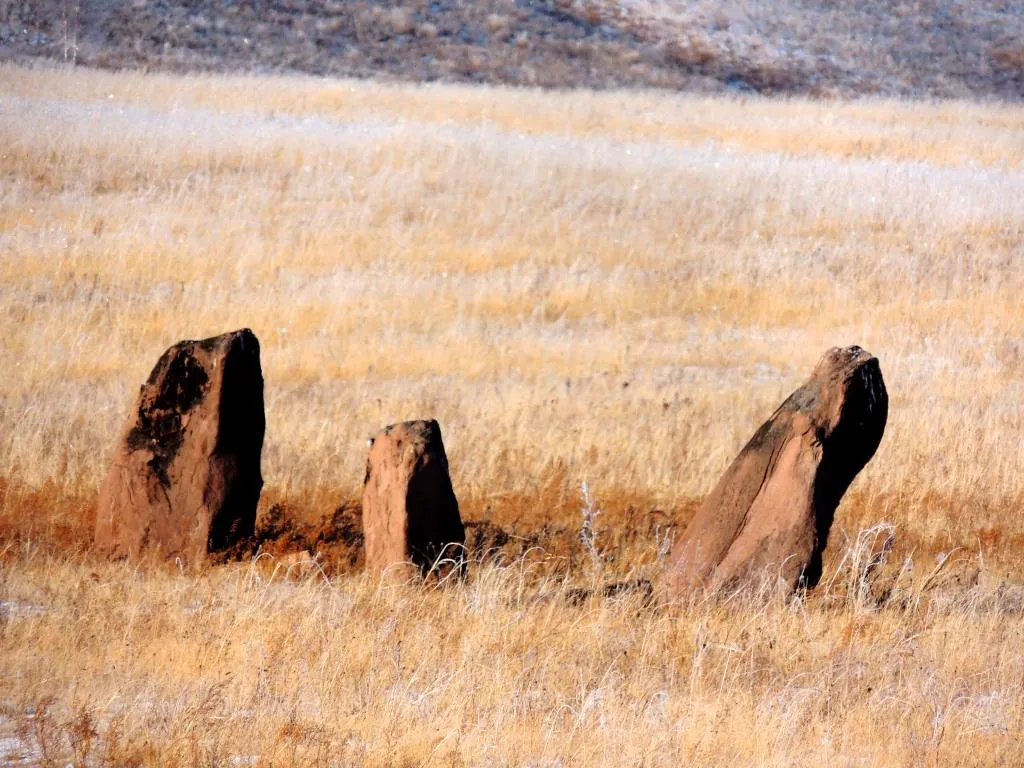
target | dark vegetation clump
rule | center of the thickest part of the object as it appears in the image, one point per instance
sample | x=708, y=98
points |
x=159, y=428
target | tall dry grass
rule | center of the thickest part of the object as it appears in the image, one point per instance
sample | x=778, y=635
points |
x=615, y=288
x=242, y=667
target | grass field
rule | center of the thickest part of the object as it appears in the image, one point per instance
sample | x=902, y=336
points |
x=611, y=288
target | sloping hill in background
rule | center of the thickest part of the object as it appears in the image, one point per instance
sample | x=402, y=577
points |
x=816, y=47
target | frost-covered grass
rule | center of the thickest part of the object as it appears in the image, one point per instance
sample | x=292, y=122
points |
x=171, y=669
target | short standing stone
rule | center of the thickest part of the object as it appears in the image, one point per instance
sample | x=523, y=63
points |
x=410, y=513
x=770, y=514
x=185, y=478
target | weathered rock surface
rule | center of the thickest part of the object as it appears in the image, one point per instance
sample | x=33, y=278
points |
x=185, y=478
x=410, y=513
x=770, y=514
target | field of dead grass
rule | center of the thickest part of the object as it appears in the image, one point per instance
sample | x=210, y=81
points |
x=614, y=288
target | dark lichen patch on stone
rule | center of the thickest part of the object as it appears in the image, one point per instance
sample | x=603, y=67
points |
x=176, y=385
x=805, y=398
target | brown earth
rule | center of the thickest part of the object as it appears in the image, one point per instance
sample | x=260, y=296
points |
x=542, y=528
x=506, y=531
x=772, y=510
x=814, y=47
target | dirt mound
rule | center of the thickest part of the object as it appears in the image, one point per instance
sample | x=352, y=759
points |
x=334, y=540
x=540, y=528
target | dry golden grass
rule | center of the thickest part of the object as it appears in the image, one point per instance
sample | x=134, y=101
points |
x=615, y=288
x=238, y=668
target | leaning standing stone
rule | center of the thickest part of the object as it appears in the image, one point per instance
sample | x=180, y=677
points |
x=185, y=478
x=410, y=513
x=770, y=514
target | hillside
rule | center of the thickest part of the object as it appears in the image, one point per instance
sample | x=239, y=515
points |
x=932, y=48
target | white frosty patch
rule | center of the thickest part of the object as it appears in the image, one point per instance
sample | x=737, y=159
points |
x=15, y=609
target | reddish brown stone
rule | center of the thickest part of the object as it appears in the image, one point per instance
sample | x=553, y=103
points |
x=770, y=514
x=410, y=513
x=185, y=478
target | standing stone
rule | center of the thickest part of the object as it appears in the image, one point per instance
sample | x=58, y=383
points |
x=185, y=478
x=410, y=513
x=770, y=514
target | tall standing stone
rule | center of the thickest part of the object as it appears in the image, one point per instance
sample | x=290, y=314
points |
x=771, y=512
x=410, y=513
x=185, y=478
